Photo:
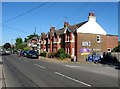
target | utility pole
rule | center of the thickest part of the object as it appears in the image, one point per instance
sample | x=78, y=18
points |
x=12, y=42
x=35, y=30
x=65, y=18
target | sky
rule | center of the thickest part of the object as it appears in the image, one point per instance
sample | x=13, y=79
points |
x=20, y=19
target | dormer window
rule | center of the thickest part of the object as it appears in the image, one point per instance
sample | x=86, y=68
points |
x=98, y=39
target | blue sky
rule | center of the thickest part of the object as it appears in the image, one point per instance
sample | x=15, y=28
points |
x=54, y=14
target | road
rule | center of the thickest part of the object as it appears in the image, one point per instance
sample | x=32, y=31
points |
x=24, y=72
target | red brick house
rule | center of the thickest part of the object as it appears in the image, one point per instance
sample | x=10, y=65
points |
x=32, y=44
x=88, y=34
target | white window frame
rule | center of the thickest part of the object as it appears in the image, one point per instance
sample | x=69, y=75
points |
x=108, y=49
x=98, y=37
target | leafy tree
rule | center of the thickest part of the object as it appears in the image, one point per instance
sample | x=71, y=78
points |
x=7, y=45
x=30, y=37
x=26, y=48
x=18, y=43
x=116, y=49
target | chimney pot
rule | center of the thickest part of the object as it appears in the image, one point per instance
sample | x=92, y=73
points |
x=66, y=24
x=52, y=29
x=91, y=14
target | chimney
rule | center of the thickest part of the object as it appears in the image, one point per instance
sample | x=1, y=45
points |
x=91, y=17
x=66, y=24
x=52, y=29
x=91, y=14
x=42, y=33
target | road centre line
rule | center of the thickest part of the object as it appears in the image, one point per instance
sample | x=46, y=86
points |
x=73, y=79
x=70, y=66
x=39, y=66
x=26, y=60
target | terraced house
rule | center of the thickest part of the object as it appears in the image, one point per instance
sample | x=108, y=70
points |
x=85, y=35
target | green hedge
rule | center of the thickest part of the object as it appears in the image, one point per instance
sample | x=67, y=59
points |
x=43, y=54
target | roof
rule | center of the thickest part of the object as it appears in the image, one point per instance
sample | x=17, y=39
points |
x=72, y=28
x=111, y=35
x=80, y=24
x=60, y=31
x=43, y=35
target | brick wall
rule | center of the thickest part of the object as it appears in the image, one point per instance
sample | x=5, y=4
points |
x=94, y=46
x=111, y=41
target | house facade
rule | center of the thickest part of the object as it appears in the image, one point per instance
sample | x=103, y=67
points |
x=73, y=38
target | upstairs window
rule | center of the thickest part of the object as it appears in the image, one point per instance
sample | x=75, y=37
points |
x=98, y=39
x=108, y=49
x=68, y=37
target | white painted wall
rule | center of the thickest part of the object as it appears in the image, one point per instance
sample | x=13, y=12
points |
x=91, y=27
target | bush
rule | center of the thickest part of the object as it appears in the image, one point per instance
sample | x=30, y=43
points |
x=61, y=53
x=61, y=50
x=62, y=56
x=68, y=55
x=43, y=54
x=51, y=55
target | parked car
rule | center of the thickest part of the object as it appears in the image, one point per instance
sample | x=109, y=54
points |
x=2, y=52
x=94, y=58
x=8, y=51
x=14, y=51
x=23, y=53
x=32, y=54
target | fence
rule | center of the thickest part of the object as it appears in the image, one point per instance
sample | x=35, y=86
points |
x=111, y=57
x=116, y=55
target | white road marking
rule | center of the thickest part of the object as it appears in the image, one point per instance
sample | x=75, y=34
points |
x=39, y=66
x=26, y=60
x=73, y=79
x=70, y=66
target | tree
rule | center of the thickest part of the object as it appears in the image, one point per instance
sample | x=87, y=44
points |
x=116, y=49
x=7, y=46
x=30, y=37
x=18, y=43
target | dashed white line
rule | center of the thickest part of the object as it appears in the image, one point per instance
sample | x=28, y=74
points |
x=39, y=66
x=73, y=79
x=26, y=60
x=70, y=66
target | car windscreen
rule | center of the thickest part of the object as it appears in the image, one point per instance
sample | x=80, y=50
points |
x=32, y=52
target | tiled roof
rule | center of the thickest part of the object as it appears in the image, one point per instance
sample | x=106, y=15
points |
x=72, y=28
x=43, y=35
x=60, y=31
x=80, y=24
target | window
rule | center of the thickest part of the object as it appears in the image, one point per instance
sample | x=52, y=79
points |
x=48, y=41
x=44, y=41
x=73, y=37
x=72, y=51
x=67, y=50
x=68, y=37
x=98, y=39
x=48, y=49
x=109, y=49
x=55, y=39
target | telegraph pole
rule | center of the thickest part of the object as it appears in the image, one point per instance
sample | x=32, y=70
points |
x=35, y=29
